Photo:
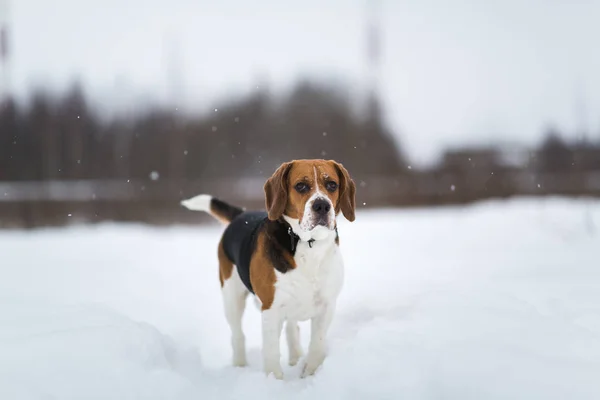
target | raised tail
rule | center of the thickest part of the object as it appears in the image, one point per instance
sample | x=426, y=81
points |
x=217, y=208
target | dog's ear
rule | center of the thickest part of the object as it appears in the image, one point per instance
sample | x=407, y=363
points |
x=276, y=191
x=346, y=201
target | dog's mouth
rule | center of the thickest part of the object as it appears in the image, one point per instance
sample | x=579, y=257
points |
x=322, y=222
x=319, y=223
x=318, y=227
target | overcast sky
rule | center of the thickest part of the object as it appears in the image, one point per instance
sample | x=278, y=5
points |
x=453, y=71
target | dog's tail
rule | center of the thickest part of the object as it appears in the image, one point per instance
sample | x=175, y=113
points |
x=217, y=208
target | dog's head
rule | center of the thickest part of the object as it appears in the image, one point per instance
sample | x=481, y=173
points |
x=311, y=192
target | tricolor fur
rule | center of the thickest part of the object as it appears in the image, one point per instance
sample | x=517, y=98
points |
x=288, y=257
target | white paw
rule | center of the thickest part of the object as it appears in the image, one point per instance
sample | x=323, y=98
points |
x=275, y=369
x=293, y=360
x=309, y=370
x=313, y=362
x=239, y=362
x=277, y=374
x=295, y=356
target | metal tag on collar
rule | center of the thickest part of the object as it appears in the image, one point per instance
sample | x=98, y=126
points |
x=292, y=234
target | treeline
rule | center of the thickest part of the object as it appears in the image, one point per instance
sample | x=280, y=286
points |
x=61, y=161
x=63, y=138
x=556, y=155
x=553, y=156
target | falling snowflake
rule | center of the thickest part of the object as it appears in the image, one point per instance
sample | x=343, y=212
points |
x=364, y=204
x=214, y=128
x=324, y=133
x=69, y=215
x=323, y=153
x=216, y=109
x=154, y=175
x=410, y=167
x=453, y=188
x=236, y=119
x=185, y=152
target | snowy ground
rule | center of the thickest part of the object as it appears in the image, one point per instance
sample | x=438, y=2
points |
x=495, y=301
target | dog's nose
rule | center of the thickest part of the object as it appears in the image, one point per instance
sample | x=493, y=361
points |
x=321, y=206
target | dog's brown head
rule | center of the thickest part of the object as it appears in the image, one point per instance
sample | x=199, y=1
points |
x=312, y=192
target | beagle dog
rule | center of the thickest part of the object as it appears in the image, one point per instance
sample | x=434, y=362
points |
x=288, y=257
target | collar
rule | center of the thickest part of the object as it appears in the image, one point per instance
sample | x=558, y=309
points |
x=294, y=239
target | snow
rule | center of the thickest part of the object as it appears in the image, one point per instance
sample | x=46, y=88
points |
x=499, y=300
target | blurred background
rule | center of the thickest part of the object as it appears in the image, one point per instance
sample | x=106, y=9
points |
x=115, y=111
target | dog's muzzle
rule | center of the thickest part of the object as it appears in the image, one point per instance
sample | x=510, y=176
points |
x=321, y=208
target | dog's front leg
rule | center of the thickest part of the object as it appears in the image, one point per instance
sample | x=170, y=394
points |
x=318, y=339
x=272, y=323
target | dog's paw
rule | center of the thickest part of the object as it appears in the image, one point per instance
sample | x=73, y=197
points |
x=276, y=374
x=295, y=356
x=308, y=371
x=274, y=369
x=294, y=360
x=239, y=359
x=240, y=363
x=313, y=362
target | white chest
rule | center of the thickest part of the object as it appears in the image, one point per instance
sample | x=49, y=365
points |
x=316, y=281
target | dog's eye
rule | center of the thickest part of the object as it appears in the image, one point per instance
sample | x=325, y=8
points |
x=331, y=186
x=301, y=187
